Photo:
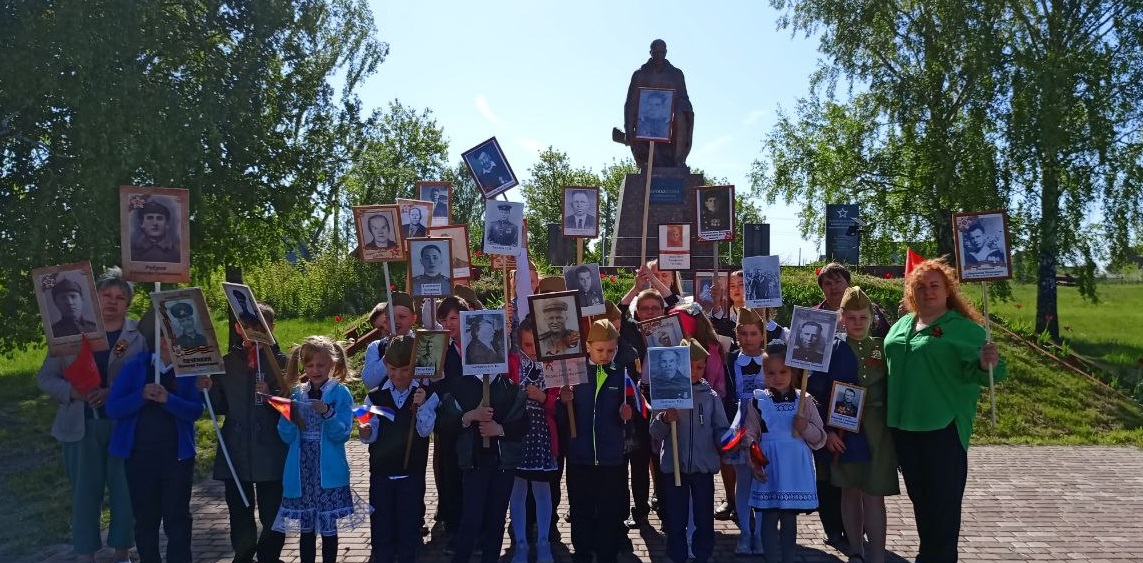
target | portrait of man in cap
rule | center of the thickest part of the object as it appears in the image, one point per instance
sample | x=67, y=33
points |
x=558, y=327
x=431, y=270
x=483, y=347
x=68, y=297
x=189, y=335
x=155, y=237
x=502, y=232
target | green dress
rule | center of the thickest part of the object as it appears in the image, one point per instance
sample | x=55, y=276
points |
x=878, y=475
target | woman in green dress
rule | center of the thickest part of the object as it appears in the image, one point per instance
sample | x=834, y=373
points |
x=864, y=462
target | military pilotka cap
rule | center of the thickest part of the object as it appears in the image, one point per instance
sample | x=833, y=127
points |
x=504, y=207
x=153, y=206
x=399, y=353
x=854, y=299
x=66, y=285
x=402, y=299
x=697, y=350
x=181, y=310
x=748, y=317
x=602, y=331
x=552, y=284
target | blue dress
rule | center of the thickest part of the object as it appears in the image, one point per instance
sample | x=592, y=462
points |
x=319, y=510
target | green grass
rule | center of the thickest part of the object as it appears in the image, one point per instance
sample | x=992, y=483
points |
x=1105, y=334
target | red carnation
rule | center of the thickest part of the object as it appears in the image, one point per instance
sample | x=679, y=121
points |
x=337, y=319
x=614, y=279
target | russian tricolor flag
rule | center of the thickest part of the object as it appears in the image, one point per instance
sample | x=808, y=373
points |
x=364, y=413
x=732, y=438
x=632, y=391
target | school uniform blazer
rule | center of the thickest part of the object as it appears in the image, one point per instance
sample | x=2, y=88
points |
x=68, y=425
x=334, y=435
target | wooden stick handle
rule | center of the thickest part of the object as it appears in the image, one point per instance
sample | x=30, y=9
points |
x=646, y=203
x=484, y=402
x=675, y=452
x=802, y=404
x=571, y=418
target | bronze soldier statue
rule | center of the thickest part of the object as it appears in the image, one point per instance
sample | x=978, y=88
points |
x=658, y=72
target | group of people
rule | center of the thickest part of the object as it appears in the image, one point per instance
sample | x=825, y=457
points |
x=501, y=451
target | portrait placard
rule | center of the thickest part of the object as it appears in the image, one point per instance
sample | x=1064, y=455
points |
x=656, y=114
x=461, y=261
x=501, y=261
x=484, y=339
x=674, y=246
x=186, y=323
x=812, y=332
x=246, y=310
x=489, y=168
x=69, y=308
x=429, y=348
x=378, y=233
x=715, y=212
x=569, y=371
x=557, y=325
x=414, y=217
x=440, y=194
x=429, y=260
x=581, y=211
x=983, y=250
x=669, y=371
x=846, y=406
x=662, y=331
x=503, y=223
x=705, y=291
x=762, y=281
x=585, y=281
x=154, y=227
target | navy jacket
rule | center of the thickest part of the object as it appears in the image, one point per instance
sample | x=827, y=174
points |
x=600, y=432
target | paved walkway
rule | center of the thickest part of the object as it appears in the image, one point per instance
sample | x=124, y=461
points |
x=1022, y=504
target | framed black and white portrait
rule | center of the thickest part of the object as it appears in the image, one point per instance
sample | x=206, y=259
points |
x=415, y=217
x=154, y=225
x=662, y=331
x=983, y=250
x=503, y=227
x=185, y=321
x=557, y=325
x=846, y=406
x=656, y=109
x=669, y=371
x=429, y=347
x=440, y=195
x=430, y=274
x=674, y=246
x=762, y=281
x=69, y=308
x=489, y=168
x=581, y=211
x=461, y=260
x=484, y=339
x=715, y=213
x=585, y=280
x=712, y=292
x=245, y=308
x=811, y=338
x=379, y=230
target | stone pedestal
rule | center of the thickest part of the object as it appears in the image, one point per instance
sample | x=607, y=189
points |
x=672, y=201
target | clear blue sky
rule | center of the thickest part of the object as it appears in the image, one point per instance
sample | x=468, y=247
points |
x=538, y=74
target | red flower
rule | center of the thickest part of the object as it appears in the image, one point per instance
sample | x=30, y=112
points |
x=602, y=276
x=337, y=319
x=479, y=254
x=393, y=287
x=614, y=279
x=888, y=275
x=818, y=272
x=937, y=332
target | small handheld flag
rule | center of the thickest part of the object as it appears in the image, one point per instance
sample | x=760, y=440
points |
x=732, y=438
x=82, y=373
x=757, y=456
x=280, y=404
x=630, y=390
x=912, y=260
x=364, y=413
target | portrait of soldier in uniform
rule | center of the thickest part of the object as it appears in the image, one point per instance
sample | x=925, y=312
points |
x=186, y=324
x=431, y=278
x=155, y=238
x=67, y=296
x=558, y=325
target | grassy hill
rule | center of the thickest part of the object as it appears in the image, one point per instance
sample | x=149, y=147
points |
x=1041, y=403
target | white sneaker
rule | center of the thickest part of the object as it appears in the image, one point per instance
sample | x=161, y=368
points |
x=744, y=547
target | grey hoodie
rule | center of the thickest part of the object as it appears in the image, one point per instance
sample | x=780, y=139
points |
x=700, y=431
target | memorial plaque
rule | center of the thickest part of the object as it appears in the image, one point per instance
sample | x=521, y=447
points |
x=843, y=233
x=668, y=191
x=756, y=240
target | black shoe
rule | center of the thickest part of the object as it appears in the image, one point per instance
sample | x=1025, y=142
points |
x=838, y=542
x=725, y=512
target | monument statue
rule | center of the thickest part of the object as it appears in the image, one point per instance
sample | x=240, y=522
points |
x=658, y=72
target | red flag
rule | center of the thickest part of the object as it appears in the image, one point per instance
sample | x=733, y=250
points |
x=280, y=404
x=82, y=373
x=757, y=456
x=912, y=260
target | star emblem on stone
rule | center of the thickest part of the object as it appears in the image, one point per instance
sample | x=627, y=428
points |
x=842, y=213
